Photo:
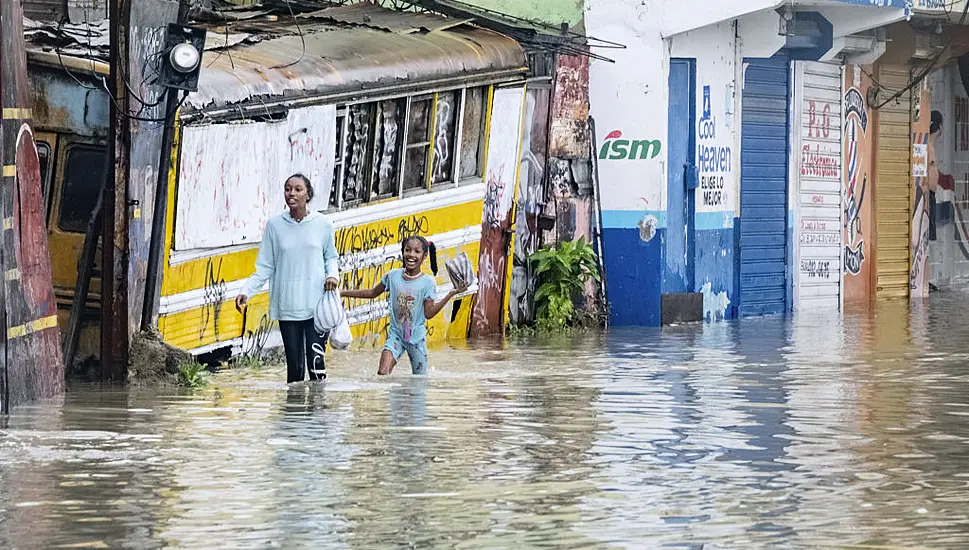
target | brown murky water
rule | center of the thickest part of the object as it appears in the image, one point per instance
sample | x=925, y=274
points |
x=815, y=432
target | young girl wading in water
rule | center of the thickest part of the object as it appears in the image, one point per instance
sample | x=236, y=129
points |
x=412, y=303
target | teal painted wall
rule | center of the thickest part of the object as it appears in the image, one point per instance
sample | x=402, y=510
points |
x=551, y=12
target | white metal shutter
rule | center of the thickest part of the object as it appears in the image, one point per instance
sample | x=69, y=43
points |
x=818, y=246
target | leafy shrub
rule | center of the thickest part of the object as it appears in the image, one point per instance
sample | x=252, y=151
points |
x=563, y=271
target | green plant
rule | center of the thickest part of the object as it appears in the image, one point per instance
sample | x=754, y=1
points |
x=246, y=361
x=193, y=375
x=563, y=271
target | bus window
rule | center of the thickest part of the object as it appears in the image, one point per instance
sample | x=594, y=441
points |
x=83, y=175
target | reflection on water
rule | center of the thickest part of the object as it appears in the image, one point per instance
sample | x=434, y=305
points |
x=845, y=431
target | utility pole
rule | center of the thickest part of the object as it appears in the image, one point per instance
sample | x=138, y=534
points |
x=140, y=113
x=114, y=232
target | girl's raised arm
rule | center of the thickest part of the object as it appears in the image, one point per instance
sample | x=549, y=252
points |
x=368, y=294
x=432, y=307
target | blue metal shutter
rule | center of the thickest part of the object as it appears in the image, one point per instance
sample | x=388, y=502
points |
x=763, y=187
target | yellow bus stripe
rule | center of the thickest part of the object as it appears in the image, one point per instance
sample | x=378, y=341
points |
x=234, y=266
x=195, y=328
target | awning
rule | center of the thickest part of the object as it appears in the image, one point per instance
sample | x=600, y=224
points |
x=685, y=18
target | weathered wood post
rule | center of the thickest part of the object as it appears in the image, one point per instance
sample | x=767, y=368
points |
x=31, y=359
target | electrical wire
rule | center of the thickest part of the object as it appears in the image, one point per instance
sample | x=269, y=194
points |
x=104, y=83
x=302, y=39
x=227, y=49
x=60, y=60
x=928, y=69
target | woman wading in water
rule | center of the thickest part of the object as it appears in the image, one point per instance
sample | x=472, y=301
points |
x=299, y=260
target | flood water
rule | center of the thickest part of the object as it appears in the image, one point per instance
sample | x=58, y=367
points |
x=818, y=431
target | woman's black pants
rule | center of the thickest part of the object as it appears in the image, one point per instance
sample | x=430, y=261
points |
x=304, y=350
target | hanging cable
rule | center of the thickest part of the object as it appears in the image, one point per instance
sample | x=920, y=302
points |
x=931, y=66
x=302, y=39
x=227, y=48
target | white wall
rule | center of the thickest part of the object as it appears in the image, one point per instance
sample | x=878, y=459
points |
x=232, y=175
x=630, y=96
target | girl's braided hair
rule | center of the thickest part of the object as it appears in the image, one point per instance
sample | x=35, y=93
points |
x=429, y=249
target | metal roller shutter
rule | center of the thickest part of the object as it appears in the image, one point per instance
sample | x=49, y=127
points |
x=893, y=190
x=763, y=187
x=818, y=244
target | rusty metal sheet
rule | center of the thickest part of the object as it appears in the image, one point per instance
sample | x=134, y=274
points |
x=60, y=104
x=31, y=366
x=44, y=10
x=220, y=38
x=350, y=59
x=374, y=16
x=89, y=34
x=569, y=134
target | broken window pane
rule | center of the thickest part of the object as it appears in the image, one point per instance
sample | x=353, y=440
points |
x=386, y=163
x=358, y=148
x=43, y=153
x=472, y=132
x=418, y=143
x=444, y=124
x=338, y=162
x=83, y=176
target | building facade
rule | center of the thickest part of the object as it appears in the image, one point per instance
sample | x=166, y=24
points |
x=767, y=157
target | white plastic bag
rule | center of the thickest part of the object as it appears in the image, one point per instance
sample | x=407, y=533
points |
x=461, y=271
x=341, y=337
x=329, y=312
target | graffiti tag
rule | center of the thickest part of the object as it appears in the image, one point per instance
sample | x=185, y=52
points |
x=214, y=295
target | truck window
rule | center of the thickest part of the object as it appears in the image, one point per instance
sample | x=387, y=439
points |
x=82, y=183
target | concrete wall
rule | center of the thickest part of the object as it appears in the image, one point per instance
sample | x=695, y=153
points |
x=858, y=187
x=628, y=102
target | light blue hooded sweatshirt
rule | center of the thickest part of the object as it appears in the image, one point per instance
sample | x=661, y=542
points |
x=296, y=257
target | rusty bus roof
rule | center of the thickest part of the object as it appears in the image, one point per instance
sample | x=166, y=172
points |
x=341, y=52
x=343, y=58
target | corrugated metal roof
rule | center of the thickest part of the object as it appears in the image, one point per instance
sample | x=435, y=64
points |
x=339, y=60
x=371, y=15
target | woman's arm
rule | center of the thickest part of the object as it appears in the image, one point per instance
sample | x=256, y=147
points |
x=331, y=260
x=368, y=294
x=265, y=267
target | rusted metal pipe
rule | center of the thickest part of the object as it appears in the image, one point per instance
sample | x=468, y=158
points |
x=155, y=257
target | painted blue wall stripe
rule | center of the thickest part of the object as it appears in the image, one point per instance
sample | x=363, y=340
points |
x=629, y=219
